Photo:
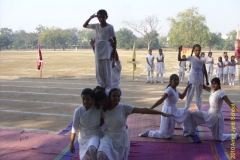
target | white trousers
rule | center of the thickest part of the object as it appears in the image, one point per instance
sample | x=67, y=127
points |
x=225, y=78
x=231, y=78
x=104, y=73
x=150, y=75
x=181, y=76
x=190, y=94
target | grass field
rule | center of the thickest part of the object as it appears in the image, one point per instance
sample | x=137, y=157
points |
x=70, y=64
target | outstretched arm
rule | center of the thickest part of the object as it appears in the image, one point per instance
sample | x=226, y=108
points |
x=181, y=96
x=231, y=105
x=149, y=111
x=206, y=88
x=160, y=101
x=179, y=55
x=89, y=19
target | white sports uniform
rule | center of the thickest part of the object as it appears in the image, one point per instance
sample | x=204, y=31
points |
x=103, y=50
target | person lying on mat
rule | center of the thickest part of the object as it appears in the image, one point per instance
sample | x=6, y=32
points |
x=170, y=98
x=213, y=118
x=86, y=121
x=115, y=143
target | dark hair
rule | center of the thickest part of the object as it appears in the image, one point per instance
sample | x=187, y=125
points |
x=102, y=11
x=171, y=78
x=87, y=91
x=99, y=95
x=113, y=90
x=216, y=80
x=203, y=53
x=160, y=49
x=196, y=45
x=209, y=53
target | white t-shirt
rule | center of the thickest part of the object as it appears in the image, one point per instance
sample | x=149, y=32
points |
x=196, y=72
x=103, y=47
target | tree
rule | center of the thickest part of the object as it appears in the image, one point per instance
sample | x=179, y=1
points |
x=215, y=38
x=163, y=41
x=6, y=37
x=147, y=28
x=85, y=36
x=188, y=28
x=230, y=41
x=125, y=38
x=40, y=29
x=54, y=36
x=72, y=36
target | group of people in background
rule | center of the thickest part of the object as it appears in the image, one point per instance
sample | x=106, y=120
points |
x=100, y=121
x=225, y=70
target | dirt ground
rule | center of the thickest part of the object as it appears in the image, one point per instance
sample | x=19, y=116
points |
x=46, y=104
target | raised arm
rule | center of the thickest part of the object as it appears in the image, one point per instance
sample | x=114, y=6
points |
x=205, y=74
x=89, y=19
x=231, y=105
x=149, y=111
x=179, y=55
x=160, y=100
x=182, y=95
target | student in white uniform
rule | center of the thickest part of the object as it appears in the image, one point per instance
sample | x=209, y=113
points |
x=195, y=76
x=103, y=48
x=232, y=70
x=86, y=121
x=219, y=69
x=213, y=118
x=160, y=66
x=115, y=143
x=182, y=68
x=116, y=72
x=170, y=98
x=209, y=65
x=226, y=65
x=150, y=66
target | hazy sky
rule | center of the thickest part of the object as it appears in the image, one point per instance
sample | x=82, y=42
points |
x=221, y=15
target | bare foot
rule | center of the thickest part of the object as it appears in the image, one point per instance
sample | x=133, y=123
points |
x=144, y=134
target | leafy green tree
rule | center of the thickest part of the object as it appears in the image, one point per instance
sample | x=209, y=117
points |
x=163, y=41
x=230, y=41
x=214, y=39
x=85, y=36
x=125, y=38
x=40, y=29
x=6, y=37
x=188, y=28
x=72, y=34
x=53, y=37
x=140, y=43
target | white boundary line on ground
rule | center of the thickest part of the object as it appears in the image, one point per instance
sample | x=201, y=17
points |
x=3, y=91
x=36, y=113
x=29, y=129
x=140, y=98
x=78, y=95
x=26, y=101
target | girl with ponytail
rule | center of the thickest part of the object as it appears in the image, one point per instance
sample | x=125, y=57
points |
x=196, y=75
x=170, y=98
